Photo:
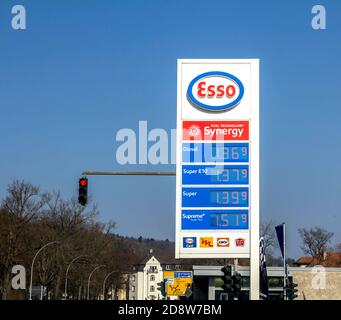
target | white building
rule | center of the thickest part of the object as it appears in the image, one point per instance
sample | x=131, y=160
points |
x=148, y=273
x=143, y=282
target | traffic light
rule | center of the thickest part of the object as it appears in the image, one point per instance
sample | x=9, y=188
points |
x=83, y=191
x=161, y=286
x=237, y=284
x=291, y=290
x=227, y=279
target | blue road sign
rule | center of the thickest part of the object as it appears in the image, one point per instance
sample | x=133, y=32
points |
x=183, y=274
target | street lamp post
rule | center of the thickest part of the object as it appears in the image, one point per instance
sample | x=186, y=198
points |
x=67, y=271
x=105, y=280
x=98, y=267
x=32, y=265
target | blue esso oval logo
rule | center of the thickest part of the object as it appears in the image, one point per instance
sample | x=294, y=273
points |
x=215, y=91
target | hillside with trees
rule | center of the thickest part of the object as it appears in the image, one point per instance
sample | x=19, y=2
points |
x=30, y=219
x=74, y=238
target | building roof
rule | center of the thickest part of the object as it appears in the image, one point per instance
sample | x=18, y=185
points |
x=330, y=259
x=167, y=258
x=146, y=259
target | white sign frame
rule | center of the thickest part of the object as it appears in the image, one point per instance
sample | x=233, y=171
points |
x=253, y=118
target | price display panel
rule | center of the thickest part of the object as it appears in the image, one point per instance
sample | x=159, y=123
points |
x=211, y=174
x=215, y=152
x=215, y=197
x=215, y=219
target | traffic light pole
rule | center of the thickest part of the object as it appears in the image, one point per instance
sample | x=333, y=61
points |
x=285, y=276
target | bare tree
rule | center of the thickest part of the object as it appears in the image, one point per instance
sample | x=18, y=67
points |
x=315, y=242
x=62, y=220
x=267, y=231
x=22, y=204
x=66, y=217
x=23, y=201
x=30, y=219
x=338, y=247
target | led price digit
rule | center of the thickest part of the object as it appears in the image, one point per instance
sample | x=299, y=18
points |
x=229, y=175
x=219, y=175
x=229, y=197
x=219, y=219
x=231, y=220
x=221, y=152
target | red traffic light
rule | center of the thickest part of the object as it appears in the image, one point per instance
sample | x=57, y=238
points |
x=83, y=191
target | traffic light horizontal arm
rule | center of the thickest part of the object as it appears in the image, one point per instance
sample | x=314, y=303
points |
x=129, y=173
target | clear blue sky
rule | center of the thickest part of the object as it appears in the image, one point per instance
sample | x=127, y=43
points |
x=84, y=69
